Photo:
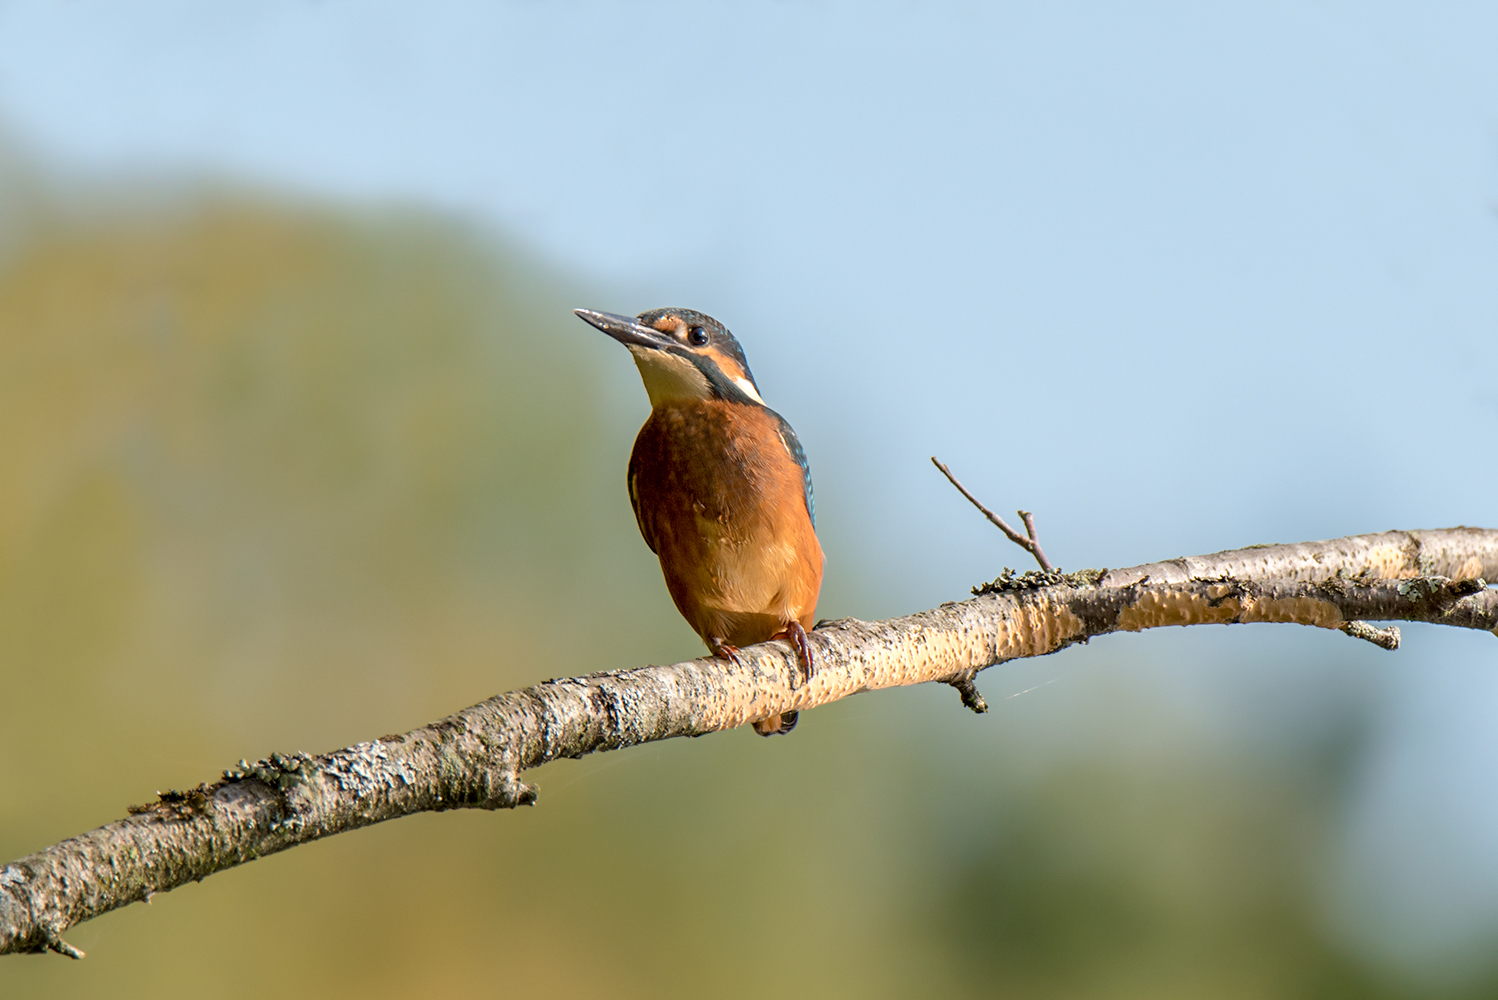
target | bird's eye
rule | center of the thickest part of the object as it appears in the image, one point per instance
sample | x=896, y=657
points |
x=697, y=336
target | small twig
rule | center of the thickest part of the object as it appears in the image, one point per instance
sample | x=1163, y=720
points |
x=1029, y=519
x=1387, y=638
x=970, y=696
x=1030, y=544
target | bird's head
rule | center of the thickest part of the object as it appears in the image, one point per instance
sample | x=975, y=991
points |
x=682, y=355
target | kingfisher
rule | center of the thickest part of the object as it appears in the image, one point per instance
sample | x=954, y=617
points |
x=720, y=489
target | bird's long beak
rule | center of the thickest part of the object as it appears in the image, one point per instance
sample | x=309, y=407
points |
x=627, y=330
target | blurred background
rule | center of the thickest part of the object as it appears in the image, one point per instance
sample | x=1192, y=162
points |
x=300, y=444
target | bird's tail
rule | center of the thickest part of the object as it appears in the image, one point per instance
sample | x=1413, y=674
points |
x=776, y=725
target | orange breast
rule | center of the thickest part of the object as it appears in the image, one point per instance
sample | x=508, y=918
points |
x=722, y=503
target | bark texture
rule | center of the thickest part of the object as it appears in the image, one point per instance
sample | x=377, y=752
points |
x=474, y=759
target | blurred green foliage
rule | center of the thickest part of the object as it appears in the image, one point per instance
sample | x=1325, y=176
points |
x=278, y=476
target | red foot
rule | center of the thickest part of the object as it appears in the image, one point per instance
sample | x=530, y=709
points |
x=727, y=652
x=796, y=635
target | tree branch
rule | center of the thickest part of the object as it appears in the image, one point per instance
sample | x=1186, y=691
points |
x=474, y=759
x=1030, y=544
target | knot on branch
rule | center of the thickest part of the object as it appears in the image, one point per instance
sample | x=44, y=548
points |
x=57, y=944
x=51, y=942
x=507, y=791
x=1386, y=638
x=969, y=693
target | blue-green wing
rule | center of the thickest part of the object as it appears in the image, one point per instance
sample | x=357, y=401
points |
x=632, y=479
x=793, y=445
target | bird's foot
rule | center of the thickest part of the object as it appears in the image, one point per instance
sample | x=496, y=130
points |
x=796, y=636
x=724, y=651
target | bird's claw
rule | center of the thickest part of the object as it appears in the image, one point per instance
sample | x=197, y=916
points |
x=796, y=635
x=730, y=653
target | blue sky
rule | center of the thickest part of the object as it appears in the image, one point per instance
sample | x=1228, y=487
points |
x=1177, y=277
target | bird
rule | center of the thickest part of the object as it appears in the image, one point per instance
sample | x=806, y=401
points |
x=721, y=489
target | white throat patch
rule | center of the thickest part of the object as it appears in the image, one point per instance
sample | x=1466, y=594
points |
x=669, y=378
